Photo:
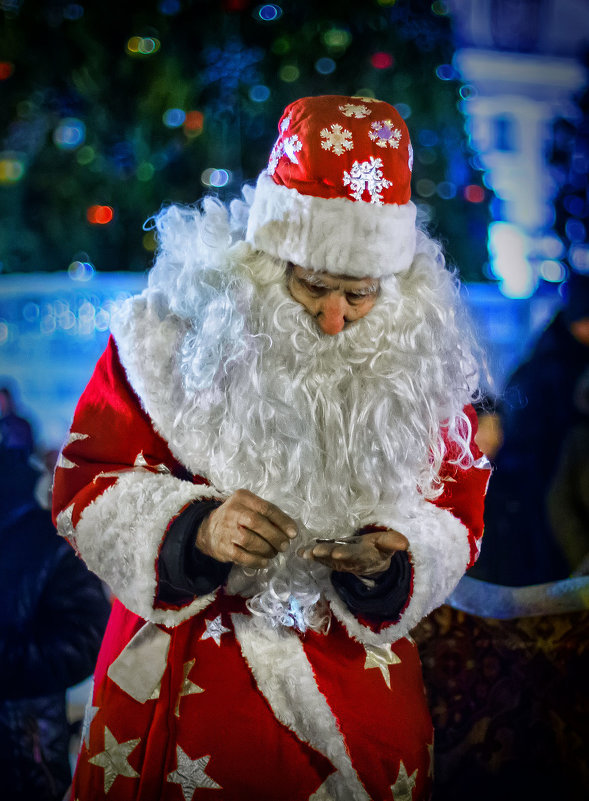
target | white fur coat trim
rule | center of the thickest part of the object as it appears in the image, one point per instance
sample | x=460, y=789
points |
x=132, y=516
x=337, y=235
x=438, y=551
x=285, y=678
x=148, y=337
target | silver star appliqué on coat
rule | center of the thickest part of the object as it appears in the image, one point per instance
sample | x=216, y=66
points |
x=114, y=759
x=89, y=715
x=402, y=789
x=215, y=630
x=381, y=656
x=188, y=687
x=67, y=464
x=190, y=774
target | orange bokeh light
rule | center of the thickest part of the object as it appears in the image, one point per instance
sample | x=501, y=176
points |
x=194, y=121
x=99, y=215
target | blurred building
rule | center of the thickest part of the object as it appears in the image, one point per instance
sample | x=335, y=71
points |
x=522, y=63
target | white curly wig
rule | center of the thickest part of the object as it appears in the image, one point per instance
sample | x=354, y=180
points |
x=328, y=428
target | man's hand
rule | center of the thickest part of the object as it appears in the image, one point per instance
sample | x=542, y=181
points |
x=245, y=530
x=364, y=555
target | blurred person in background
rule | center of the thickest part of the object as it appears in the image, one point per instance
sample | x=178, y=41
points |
x=537, y=413
x=15, y=431
x=568, y=498
x=53, y=613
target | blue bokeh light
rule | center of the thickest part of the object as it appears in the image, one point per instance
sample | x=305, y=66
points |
x=269, y=12
x=325, y=65
x=446, y=72
x=259, y=93
x=174, y=117
x=69, y=134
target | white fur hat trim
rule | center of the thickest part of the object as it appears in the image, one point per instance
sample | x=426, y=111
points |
x=335, y=235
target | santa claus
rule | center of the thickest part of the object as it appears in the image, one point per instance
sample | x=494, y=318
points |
x=273, y=468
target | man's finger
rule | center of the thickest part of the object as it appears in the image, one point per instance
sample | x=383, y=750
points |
x=390, y=541
x=256, y=524
x=253, y=543
x=272, y=513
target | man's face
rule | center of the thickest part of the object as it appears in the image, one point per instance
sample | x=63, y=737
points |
x=334, y=301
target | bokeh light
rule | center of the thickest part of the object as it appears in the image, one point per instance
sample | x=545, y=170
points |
x=404, y=110
x=337, y=39
x=12, y=167
x=6, y=70
x=143, y=45
x=382, y=60
x=281, y=45
x=174, y=117
x=145, y=171
x=69, y=134
x=193, y=124
x=85, y=155
x=99, y=215
x=446, y=190
x=215, y=177
x=474, y=193
x=446, y=72
x=575, y=230
x=425, y=187
x=468, y=91
x=427, y=137
x=259, y=93
x=269, y=12
x=289, y=73
x=80, y=271
x=149, y=241
x=439, y=8
x=553, y=271
x=4, y=332
x=30, y=312
x=579, y=257
x=325, y=65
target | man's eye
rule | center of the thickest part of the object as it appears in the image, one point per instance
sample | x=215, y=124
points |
x=316, y=291
x=352, y=297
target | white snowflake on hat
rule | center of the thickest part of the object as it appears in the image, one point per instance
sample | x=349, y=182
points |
x=366, y=176
x=288, y=146
x=384, y=134
x=410, y=159
x=365, y=99
x=355, y=110
x=337, y=140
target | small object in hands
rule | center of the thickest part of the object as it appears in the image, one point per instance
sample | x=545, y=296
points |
x=339, y=541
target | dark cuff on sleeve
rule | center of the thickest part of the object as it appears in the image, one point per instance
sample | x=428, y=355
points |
x=184, y=571
x=382, y=601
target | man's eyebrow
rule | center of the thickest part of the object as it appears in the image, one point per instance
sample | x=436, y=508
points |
x=315, y=280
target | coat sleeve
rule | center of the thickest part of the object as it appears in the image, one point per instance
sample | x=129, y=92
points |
x=117, y=490
x=444, y=541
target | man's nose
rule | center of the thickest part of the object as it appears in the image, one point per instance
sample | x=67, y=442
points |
x=332, y=313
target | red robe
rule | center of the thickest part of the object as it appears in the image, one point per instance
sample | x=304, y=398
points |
x=205, y=701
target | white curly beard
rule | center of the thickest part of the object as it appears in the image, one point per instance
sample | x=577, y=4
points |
x=327, y=428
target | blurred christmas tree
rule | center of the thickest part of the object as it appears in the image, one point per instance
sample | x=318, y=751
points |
x=110, y=109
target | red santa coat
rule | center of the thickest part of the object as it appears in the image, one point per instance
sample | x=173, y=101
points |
x=203, y=700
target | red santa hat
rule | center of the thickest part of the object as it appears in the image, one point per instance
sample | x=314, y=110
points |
x=335, y=196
